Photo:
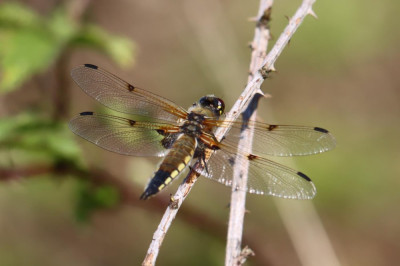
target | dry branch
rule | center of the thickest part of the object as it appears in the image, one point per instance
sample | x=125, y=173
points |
x=240, y=174
x=251, y=89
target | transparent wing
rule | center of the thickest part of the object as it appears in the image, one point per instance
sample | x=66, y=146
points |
x=280, y=140
x=123, y=135
x=265, y=177
x=123, y=97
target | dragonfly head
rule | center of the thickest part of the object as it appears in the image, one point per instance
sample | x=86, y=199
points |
x=212, y=103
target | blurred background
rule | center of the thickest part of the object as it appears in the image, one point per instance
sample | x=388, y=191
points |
x=64, y=201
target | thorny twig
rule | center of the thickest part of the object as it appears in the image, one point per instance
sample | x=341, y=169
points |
x=240, y=174
x=251, y=89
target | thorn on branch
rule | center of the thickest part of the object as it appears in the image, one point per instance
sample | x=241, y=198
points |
x=267, y=96
x=251, y=46
x=244, y=254
x=312, y=13
x=265, y=72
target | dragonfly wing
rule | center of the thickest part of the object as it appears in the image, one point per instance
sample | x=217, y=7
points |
x=123, y=135
x=264, y=177
x=123, y=97
x=281, y=140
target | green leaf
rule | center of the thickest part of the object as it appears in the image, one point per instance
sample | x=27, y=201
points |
x=23, y=53
x=30, y=43
x=35, y=138
x=120, y=49
x=61, y=27
x=14, y=14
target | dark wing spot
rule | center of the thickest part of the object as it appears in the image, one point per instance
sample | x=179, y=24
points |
x=272, y=127
x=321, y=130
x=91, y=66
x=86, y=113
x=130, y=87
x=161, y=131
x=251, y=157
x=304, y=176
x=132, y=122
x=215, y=147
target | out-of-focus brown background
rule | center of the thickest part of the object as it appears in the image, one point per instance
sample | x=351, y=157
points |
x=64, y=201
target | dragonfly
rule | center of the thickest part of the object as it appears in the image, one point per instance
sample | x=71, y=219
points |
x=184, y=137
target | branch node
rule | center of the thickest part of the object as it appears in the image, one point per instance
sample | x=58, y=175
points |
x=173, y=202
x=265, y=18
x=265, y=71
x=244, y=254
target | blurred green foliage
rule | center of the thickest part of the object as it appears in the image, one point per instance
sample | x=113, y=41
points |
x=35, y=139
x=92, y=198
x=31, y=43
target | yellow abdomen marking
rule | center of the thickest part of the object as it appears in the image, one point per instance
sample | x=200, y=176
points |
x=167, y=181
x=176, y=160
x=181, y=166
x=187, y=159
x=174, y=173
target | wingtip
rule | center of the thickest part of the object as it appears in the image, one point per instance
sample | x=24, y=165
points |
x=304, y=176
x=91, y=66
x=86, y=113
x=81, y=66
x=320, y=129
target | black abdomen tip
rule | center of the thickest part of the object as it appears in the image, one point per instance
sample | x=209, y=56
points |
x=91, y=66
x=86, y=113
x=145, y=195
x=150, y=191
x=304, y=176
x=321, y=130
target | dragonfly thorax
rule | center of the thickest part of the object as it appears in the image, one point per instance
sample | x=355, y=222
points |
x=193, y=126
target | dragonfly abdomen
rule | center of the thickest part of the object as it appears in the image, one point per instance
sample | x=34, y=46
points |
x=173, y=164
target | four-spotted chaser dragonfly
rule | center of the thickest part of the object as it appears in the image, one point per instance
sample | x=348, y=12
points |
x=183, y=137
